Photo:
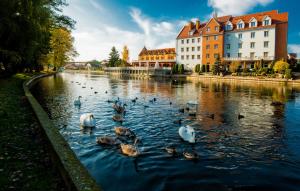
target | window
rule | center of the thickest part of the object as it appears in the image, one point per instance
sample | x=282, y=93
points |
x=266, y=22
x=228, y=46
x=266, y=44
x=266, y=54
x=193, y=48
x=266, y=33
x=228, y=27
x=252, y=34
x=240, y=25
x=182, y=49
x=193, y=40
x=252, y=45
x=240, y=35
x=216, y=37
x=187, y=57
x=239, y=55
x=198, y=39
x=253, y=24
x=216, y=46
x=207, y=55
x=207, y=47
x=182, y=57
x=182, y=41
x=207, y=38
x=193, y=57
x=187, y=41
x=216, y=55
x=198, y=48
x=216, y=28
x=240, y=45
x=252, y=54
x=198, y=57
x=187, y=49
x=228, y=55
x=208, y=29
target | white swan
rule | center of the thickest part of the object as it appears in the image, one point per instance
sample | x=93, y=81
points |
x=187, y=133
x=77, y=102
x=87, y=120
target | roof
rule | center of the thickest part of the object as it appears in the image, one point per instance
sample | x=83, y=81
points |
x=274, y=15
x=157, y=51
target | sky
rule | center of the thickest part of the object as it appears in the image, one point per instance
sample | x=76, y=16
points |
x=102, y=24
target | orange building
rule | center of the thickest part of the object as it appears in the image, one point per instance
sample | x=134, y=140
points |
x=156, y=58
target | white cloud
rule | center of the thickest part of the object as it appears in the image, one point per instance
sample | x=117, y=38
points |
x=294, y=48
x=236, y=7
x=96, y=5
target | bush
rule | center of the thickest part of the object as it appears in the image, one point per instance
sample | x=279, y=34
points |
x=181, y=69
x=288, y=73
x=197, y=68
x=202, y=68
x=234, y=66
x=280, y=67
x=175, y=69
x=214, y=69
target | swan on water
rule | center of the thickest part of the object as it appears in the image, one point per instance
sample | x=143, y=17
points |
x=77, y=102
x=123, y=131
x=190, y=155
x=129, y=150
x=118, y=118
x=187, y=133
x=87, y=120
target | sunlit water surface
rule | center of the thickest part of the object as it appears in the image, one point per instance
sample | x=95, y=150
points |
x=258, y=152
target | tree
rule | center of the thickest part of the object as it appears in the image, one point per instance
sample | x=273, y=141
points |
x=114, y=58
x=125, y=56
x=234, y=66
x=62, y=49
x=25, y=31
x=216, y=68
x=280, y=67
x=197, y=68
x=181, y=69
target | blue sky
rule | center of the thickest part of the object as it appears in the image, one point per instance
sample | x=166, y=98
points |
x=102, y=24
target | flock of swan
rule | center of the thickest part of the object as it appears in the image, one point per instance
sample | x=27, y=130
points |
x=187, y=133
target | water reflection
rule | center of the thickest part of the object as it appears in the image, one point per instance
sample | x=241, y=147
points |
x=263, y=145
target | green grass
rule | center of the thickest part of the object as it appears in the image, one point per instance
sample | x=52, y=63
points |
x=25, y=163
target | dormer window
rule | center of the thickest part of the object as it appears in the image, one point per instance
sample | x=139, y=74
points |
x=240, y=24
x=191, y=32
x=266, y=21
x=208, y=29
x=253, y=23
x=228, y=26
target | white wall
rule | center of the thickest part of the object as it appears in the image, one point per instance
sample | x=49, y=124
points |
x=233, y=39
x=189, y=63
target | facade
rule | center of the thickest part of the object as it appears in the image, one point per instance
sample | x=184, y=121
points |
x=158, y=58
x=188, y=46
x=248, y=39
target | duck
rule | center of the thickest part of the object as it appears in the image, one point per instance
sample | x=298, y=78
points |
x=154, y=99
x=87, y=120
x=187, y=133
x=190, y=155
x=123, y=131
x=91, y=88
x=110, y=101
x=106, y=92
x=171, y=150
x=77, y=102
x=240, y=116
x=95, y=92
x=118, y=118
x=178, y=121
x=129, y=150
x=83, y=87
x=118, y=108
x=106, y=140
x=181, y=110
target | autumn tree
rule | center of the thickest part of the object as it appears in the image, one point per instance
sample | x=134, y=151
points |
x=62, y=49
x=281, y=67
x=125, y=56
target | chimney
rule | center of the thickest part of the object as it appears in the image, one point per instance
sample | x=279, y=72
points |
x=191, y=25
x=197, y=24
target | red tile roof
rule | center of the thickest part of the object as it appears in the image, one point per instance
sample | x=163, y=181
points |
x=275, y=16
x=157, y=51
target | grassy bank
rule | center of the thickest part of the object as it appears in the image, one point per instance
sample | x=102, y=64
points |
x=25, y=163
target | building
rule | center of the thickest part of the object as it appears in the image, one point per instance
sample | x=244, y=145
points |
x=158, y=58
x=247, y=39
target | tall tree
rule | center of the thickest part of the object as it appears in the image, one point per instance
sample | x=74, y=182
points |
x=114, y=58
x=125, y=56
x=62, y=49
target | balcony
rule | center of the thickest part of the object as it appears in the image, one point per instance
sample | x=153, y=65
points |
x=256, y=58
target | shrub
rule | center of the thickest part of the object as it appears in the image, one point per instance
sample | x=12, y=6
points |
x=175, y=69
x=197, y=68
x=234, y=66
x=202, y=68
x=181, y=69
x=288, y=73
x=281, y=66
x=214, y=69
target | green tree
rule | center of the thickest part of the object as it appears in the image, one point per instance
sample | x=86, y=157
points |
x=281, y=67
x=181, y=69
x=62, y=49
x=114, y=58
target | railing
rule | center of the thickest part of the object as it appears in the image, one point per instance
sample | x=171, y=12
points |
x=136, y=61
x=249, y=58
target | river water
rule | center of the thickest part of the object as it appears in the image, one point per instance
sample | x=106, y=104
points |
x=258, y=152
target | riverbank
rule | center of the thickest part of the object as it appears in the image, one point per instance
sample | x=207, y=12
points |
x=197, y=77
x=25, y=163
